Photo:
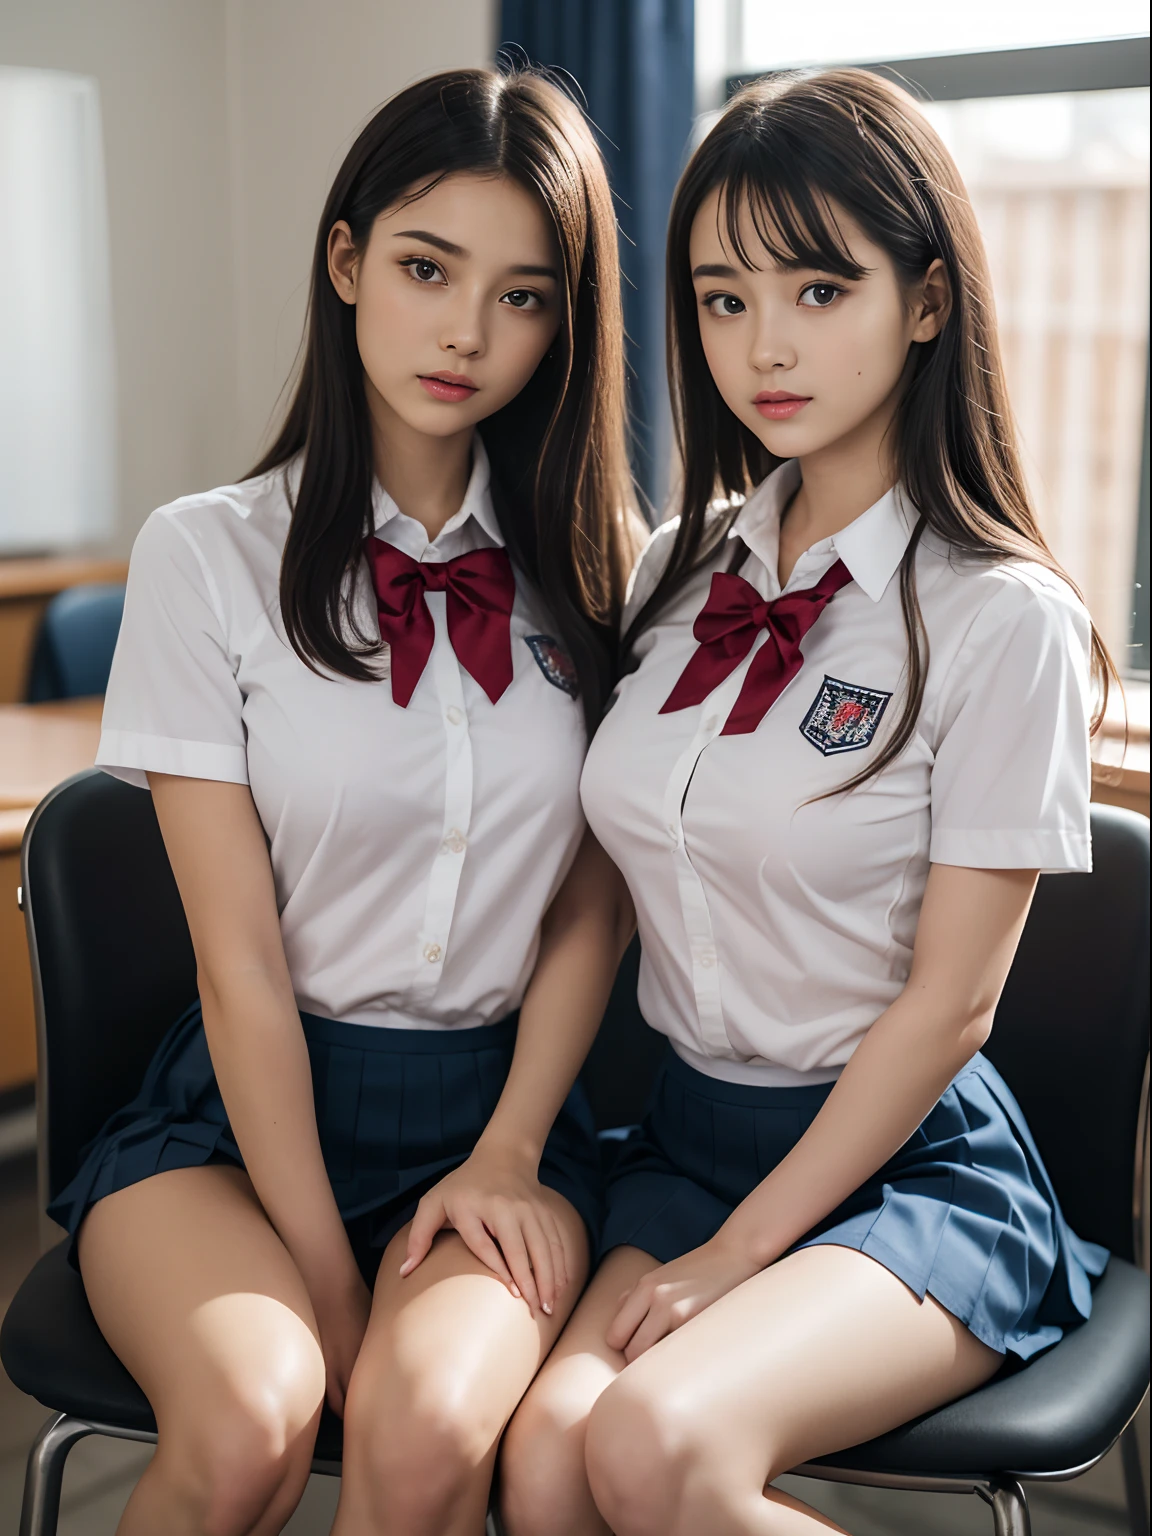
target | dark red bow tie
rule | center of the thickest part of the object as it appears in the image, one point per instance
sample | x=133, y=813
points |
x=480, y=588
x=726, y=628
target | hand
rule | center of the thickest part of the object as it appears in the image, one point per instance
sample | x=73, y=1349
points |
x=342, y=1310
x=668, y=1297
x=495, y=1202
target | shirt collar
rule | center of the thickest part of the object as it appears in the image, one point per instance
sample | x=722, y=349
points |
x=477, y=503
x=871, y=546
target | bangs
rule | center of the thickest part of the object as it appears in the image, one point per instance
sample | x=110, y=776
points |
x=793, y=220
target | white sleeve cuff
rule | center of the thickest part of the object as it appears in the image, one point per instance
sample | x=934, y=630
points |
x=130, y=756
x=1052, y=853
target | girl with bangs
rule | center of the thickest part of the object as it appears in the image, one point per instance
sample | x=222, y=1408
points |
x=853, y=729
x=359, y=686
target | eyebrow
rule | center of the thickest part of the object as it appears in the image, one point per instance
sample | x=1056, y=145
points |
x=714, y=269
x=458, y=250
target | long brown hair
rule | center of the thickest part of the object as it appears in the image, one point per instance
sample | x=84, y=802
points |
x=787, y=149
x=560, y=479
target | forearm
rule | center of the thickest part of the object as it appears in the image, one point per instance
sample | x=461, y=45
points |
x=261, y=1062
x=895, y=1076
x=583, y=938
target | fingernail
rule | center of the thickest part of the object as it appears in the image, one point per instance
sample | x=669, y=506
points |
x=406, y=1266
x=516, y=1293
x=548, y=1308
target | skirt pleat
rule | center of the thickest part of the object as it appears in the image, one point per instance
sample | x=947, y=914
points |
x=964, y=1212
x=396, y=1109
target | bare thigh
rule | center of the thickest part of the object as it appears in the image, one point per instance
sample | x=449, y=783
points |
x=543, y=1486
x=448, y=1354
x=198, y=1296
x=821, y=1351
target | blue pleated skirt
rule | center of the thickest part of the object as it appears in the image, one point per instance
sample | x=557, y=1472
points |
x=964, y=1212
x=396, y=1110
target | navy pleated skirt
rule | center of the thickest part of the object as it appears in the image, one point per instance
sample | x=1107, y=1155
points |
x=964, y=1212
x=396, y=1110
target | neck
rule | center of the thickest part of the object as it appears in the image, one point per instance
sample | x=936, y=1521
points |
x=841, y=481
x=426, y=477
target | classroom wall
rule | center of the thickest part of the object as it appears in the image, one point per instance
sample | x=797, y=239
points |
x=223, y=122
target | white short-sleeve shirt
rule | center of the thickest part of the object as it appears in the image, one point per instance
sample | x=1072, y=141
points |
x=776, y=927
x=414, y=849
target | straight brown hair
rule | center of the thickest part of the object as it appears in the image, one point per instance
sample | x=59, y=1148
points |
x=560, y=479
x=787, y=149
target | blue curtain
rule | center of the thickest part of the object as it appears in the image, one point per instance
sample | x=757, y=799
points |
x=633, y=60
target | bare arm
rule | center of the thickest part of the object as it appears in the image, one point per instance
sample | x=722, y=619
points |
x=970, y=924
x=583, y=936
x=219, y=856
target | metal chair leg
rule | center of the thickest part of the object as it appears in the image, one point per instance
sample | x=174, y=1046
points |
x=1134, y=1481
x=40, y=1511
x=1009, y=1507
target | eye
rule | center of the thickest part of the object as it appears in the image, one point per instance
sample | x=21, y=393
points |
x=422, y=269
x=819, y=295
x=722, y=304
x=523, y=298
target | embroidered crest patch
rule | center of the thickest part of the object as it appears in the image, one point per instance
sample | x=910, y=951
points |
x=555, y=663
x=843, y=717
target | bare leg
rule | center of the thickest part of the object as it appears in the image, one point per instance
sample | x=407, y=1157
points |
x=823, y=1350
x=198, y=1296
x=543, y=1485
x=448, y=1354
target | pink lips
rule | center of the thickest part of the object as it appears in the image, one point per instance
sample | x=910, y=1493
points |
x=448, y=386
x=779, y=404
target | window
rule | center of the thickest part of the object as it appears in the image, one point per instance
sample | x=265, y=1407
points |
x=57, y=413
x=1053, y=144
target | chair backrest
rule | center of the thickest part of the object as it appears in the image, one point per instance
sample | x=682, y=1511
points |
x=72, y=656
x=1071, y=1032
x=112, y=962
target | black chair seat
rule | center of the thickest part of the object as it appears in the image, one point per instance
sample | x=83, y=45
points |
x=1062, y=1411
x=52, y=1349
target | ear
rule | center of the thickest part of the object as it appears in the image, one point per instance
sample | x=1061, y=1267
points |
x=933, y=303
x=343, y=261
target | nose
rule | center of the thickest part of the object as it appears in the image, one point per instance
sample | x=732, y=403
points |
x=772, y=346
x=463, y=329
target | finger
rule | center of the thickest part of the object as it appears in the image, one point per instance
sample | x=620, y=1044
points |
x=540, y=1255
x=654, y=1327
x=476, y=1235
x=429, y=1218
x=508, y=1234
x=633, y=1310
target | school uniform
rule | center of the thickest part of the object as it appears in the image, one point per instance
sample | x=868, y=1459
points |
x=418, y=826
x=777, y=926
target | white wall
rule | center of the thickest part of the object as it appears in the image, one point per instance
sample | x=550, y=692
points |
x=223, y=122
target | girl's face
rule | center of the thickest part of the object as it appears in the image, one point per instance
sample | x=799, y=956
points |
x=805, y=358
x=457, y=298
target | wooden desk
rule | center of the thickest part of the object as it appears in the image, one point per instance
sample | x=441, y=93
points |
x=40, y=744
x=26, y=587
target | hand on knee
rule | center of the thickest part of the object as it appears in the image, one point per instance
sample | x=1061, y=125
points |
x=636, y=1453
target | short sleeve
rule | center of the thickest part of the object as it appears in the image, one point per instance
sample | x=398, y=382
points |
x=1012, y=778
x=173, y=704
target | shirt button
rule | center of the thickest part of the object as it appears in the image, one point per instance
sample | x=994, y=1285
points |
x=432, y=953
x=455, y=716
x=455, y=842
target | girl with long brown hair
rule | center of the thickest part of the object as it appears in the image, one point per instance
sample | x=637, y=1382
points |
x=853, y=729
x=359, y=685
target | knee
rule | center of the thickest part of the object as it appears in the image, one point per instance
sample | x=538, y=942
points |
x=543, y=1484
x=236, y=1468
x=417, y=1453
x=639, y=1452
